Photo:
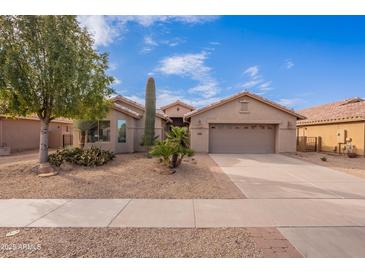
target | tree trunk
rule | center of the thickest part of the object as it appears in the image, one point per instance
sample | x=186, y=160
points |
x=174, y=160
x=83, y=135
x=43, y=145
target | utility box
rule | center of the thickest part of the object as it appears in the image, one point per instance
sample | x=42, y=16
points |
x=341, y=136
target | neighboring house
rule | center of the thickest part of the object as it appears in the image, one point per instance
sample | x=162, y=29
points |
x=123, y=129
x=243, y=123
x=335, y=124
x=176, y=112
x=23, y=133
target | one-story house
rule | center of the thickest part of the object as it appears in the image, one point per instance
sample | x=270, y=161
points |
x=122, y=129
x=23, y=133
x=176, y=111
x=335, y=124
x=243, y=123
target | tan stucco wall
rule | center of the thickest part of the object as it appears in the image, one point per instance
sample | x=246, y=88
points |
x=258, y=113
x=23, y=134
x=160, y=125
x=135, y=131
x=328, y=134
x=173, y=112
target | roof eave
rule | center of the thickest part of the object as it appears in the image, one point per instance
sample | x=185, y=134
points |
x=245, y=93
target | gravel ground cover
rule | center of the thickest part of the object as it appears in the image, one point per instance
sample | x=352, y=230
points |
x=127, y=176
x=145, y=242
x=353, y=166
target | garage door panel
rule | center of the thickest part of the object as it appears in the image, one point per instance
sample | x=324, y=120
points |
x=241, y=138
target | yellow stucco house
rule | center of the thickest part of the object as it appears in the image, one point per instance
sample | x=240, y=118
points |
x=336, y=124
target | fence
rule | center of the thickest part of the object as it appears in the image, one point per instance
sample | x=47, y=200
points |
x=67, y=140
x=308, y=144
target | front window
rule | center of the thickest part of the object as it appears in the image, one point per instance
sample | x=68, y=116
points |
x=99, y=132
x=122, y=131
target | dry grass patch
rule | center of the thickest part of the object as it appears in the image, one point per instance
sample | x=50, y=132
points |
x=127, y=176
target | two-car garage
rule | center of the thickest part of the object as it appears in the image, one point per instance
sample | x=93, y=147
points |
x=243, y=123
x=241, y=138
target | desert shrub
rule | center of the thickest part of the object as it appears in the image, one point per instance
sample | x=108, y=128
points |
x=93, y=156
x=164, y=150
x=324, y=159
x=174, y=148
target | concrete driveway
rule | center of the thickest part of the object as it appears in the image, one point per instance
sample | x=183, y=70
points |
x=278, y=176
x=321, y=197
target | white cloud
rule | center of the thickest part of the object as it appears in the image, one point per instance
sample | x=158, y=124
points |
x=251, y=83
x=252, y=71
x=165, y=97
x=149, y=44
x=105, y=29
x=214, y=43
x=112, y=66
x=117, y=81
x=207, y=89
x=290, y=102
x=148, y=40
x=265, y=86
x=289, y=63
x=256, y=80
x=149, y=20
x=100, y=27
x=192, y=66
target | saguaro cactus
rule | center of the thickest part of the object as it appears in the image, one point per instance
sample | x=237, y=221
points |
x=150, y=105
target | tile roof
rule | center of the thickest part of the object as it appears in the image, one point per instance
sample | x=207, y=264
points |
x=352, y=109
x=241, y=94
x=177, y=102
x=126, y=110
x=159, y=113
x=34, y=117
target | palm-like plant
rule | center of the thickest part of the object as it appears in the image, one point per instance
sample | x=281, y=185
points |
x=163, y=150
x=173, y=149
x=84, y=126
x=178, y=137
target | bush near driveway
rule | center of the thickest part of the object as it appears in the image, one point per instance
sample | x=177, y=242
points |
x=174, y=148
x=93, y=156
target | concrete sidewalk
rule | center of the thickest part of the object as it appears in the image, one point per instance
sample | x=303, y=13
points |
x=182, y=213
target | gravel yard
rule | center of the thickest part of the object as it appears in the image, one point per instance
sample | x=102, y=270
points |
x=127, y=176
x=353, y=166
x=145, y=242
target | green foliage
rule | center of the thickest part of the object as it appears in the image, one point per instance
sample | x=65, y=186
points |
x=155, y=139
x=164, y=150
x=150, y=105
x=49, y=67
x=93, y=156
x=174, y=148
x=84, y=126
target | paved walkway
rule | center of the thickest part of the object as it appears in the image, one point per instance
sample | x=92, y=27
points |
x=182, y=213
x=321, y=202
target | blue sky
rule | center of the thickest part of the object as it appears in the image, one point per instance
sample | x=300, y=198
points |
x=298, y=61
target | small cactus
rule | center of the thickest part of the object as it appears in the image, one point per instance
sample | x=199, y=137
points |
x=150, y=105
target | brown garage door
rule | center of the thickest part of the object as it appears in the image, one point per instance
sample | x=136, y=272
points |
x=241, y=138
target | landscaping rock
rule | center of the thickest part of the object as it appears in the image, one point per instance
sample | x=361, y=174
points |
x=66, y=166
x=48, y=174
x=45, y=168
